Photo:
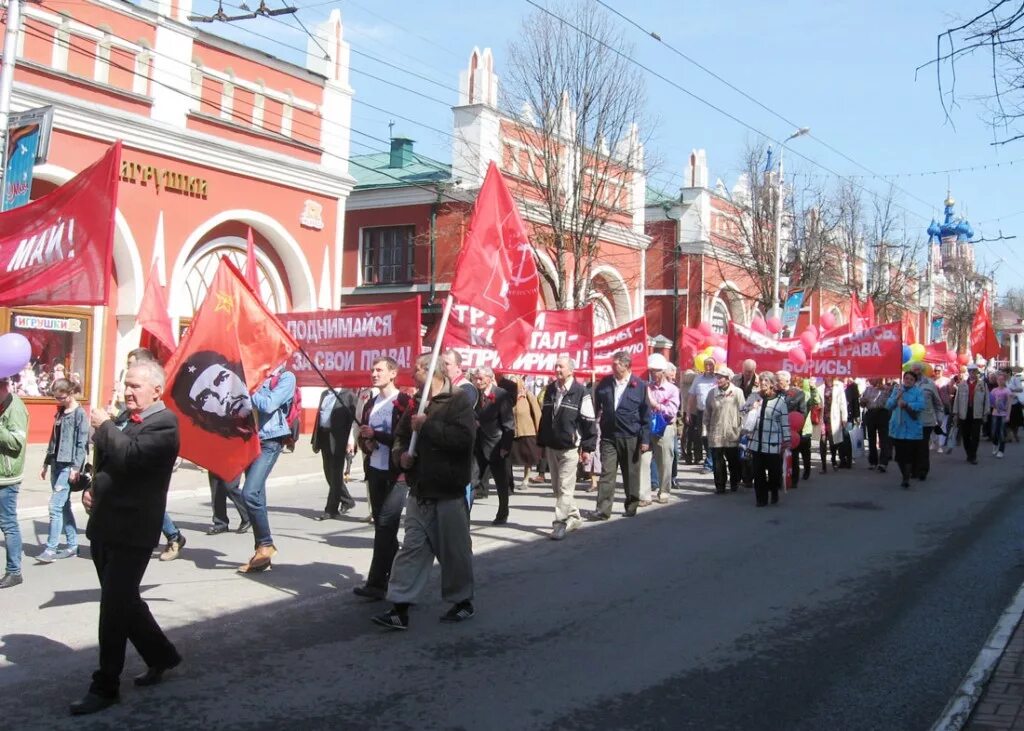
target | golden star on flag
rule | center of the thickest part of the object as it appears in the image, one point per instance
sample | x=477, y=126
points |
x=225, y=303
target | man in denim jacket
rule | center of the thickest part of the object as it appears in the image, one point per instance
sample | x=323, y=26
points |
x=271, y=402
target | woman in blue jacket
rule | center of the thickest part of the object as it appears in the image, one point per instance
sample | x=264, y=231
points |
x=906, y=403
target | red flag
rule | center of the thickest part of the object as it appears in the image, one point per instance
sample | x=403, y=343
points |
x=58, y=250
x=233, y=343
x=869, y=312
x=250, y=262
x=496, y=272
x=909, y=331
x=858, y=320
x=157, y=332
x=690, y=340
x=983, y=335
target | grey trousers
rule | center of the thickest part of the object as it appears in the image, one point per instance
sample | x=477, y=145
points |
x=616, y=453
x=563, y=464
x=433, y=528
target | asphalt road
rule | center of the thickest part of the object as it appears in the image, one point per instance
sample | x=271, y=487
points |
x=852, y=605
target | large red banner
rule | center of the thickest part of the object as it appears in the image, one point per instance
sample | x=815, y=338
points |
x=631, y=337
x=556, y=332
x=344, y=343
x=876, y=352
x=58, y=250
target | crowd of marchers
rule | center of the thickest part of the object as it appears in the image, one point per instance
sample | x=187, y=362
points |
x=432, y=461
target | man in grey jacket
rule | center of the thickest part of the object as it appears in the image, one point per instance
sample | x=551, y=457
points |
x=929, y=417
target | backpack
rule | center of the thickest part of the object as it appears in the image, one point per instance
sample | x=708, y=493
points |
x=293, y=415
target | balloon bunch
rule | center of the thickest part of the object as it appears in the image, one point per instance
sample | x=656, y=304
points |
x=913, y=353
x=771, y=325
x=15, y=353
x=713, y=346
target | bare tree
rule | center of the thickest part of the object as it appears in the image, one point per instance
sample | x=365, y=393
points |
x=579, y=104
x=1014, y=300
x=963, y=291
x=996, y=37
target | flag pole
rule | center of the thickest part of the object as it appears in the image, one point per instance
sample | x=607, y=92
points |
x=435, y=353
x=320, y=373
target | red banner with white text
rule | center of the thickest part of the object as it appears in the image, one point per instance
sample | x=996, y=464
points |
x=58, y=250
x=556, y=332
x=344, y=343
x=631, y=337
x=876, y=352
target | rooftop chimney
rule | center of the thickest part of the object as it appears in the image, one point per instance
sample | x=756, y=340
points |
x=401, y=152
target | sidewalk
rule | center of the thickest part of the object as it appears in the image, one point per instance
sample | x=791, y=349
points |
x=992, y=695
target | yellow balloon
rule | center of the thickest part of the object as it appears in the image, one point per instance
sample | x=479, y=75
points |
x=698, y=362
x=709, y=350
x=916, y=352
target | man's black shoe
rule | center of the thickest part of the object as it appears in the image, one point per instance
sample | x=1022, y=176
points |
x=370, y=592
x=216, y=530
x=93, y=703
x=631, y=511
x=244, y=527
x=500, y=520
x=596, y=515
x=155, y=674
x=392, y=619
x=327, y=516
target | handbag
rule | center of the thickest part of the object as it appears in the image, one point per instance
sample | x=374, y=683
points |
x=84, y=480
x=816, y=412
x=658, y=424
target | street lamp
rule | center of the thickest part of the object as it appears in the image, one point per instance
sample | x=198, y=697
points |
x=776, y=309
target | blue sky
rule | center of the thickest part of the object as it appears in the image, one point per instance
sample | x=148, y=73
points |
x=844, y=70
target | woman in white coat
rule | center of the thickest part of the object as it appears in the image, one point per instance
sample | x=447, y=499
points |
x=832, y=397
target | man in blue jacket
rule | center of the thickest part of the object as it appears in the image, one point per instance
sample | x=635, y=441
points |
x=271, y=402
x=620, y=401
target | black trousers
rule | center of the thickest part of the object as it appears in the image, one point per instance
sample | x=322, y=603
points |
x=333, y=458
x=387, y=498
x=924, y=461
x=970, y=435
x=124, y=616
x=695, y=440
x=767, y=476
x=498, y=467
x=220, y=491
x=907, y=451
x=804, y=451
x=876, y=428
x=723, y=456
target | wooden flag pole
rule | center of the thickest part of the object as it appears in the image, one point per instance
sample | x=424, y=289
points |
x=435, y=353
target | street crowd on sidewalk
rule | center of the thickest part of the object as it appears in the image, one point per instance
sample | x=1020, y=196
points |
x=432, y=462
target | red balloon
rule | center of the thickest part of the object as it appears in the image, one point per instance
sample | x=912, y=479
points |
x=963, y=359
x=796, y=424
x=758, y=325
x=811, y=331
x=705, y=328
x=774, y=324
x=798, y=356
x=828, y=320
x=808, y=339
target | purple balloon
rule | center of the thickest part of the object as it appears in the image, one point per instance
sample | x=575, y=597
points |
x=15, y=353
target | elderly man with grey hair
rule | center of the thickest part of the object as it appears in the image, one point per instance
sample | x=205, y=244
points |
x=496, y=429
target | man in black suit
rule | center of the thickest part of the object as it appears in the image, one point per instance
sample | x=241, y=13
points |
x=496, y=429
x=126, y=504
x=332, y=438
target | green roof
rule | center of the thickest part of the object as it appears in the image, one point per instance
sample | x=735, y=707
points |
x=375, y=171
x=656, y=197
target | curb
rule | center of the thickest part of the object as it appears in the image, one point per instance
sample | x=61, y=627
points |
x=961, y=705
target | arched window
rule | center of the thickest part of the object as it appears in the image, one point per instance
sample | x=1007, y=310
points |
x=202, y=266
x=604, y=318
x=720, y=317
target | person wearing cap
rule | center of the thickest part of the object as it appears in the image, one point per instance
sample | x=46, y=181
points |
x=929, y=417
x=971, y=407
x=723, y=420
x=663, y=398
x=699, y=390
x=906, y=403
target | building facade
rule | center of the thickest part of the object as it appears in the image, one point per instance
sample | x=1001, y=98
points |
x=218, y=139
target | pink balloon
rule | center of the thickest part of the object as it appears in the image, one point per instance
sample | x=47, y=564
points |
x=808, y=340
x=774, y=324
x=758, y=325
x=705, y=328
x=828, y=320
x=798, y=356
x=719, y=354
x=812, y=332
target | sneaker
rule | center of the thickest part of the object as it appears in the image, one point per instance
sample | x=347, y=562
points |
x=392, y=620
x=67, y=553
x=458, y=613
x=47, y=556
x=999, y=455
x=10, y=580
x=663, y=499
x=173, y=550
x=558, y=531
x=995, y=450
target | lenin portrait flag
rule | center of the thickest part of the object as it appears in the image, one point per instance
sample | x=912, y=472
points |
x=232, y=345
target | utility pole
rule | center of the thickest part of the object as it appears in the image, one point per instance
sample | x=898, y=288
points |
x=7, y=80
x=776, y=308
